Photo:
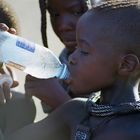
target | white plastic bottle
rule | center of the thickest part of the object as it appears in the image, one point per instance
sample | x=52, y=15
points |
x=29, y=57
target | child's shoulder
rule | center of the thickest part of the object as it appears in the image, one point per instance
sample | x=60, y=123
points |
x=75, y=103
x=73, y=111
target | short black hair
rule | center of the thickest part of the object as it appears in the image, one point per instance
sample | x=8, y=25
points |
x=123, y=18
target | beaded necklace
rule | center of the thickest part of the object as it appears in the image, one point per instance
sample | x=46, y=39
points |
x=84, y=131
x=108, y=110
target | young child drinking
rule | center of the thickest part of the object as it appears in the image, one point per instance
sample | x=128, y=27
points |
x=107, y=59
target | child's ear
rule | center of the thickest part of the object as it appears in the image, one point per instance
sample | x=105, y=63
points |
x=128, y=64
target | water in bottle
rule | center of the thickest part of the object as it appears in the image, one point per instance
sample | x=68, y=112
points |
x=29, y=57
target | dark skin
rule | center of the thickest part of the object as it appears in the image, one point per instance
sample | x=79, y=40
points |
x=49, y=91
x=116, y=78
x=118, y=81
x=113, y=74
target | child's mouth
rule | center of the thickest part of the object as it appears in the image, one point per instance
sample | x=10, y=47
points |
x=68, y=81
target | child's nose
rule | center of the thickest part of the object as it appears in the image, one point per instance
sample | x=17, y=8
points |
x=64, y=24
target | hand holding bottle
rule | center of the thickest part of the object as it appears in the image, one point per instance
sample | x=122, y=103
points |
x=6, y=78
x=30, y=57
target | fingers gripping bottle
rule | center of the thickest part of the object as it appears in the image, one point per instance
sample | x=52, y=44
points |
x=29, y=57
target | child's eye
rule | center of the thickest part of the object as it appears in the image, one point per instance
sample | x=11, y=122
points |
x=84, y=52
x=77, y=11
x=53, y=13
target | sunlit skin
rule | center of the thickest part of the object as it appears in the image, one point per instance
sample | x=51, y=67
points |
x=64, y=15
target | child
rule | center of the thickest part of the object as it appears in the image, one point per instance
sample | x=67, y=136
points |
x=64, y=16
x=107, y=59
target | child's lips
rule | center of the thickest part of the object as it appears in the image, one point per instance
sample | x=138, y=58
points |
x=68, y=80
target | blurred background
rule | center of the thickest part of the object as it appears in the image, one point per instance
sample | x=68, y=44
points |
x=28, y=14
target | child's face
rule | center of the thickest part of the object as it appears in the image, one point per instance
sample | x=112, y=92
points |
x=64, y=16
x=93, y=65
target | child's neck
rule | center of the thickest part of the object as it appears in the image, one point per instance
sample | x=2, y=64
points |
x=120, y=94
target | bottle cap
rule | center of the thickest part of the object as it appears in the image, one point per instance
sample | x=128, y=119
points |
x=65, y=72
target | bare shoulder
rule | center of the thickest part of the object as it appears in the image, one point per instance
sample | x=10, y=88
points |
x=75, y=103
x=73, y=111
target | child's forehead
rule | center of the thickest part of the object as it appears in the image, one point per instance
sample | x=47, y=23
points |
x=120, y=25
x=91, y=20
x=93, y=29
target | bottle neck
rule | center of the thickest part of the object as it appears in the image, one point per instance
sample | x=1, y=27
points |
x=65, y=72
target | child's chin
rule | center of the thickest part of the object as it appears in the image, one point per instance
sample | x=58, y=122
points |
x=76, y=93
x=73, y=90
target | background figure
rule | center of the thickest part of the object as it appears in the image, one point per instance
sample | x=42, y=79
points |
x=64, y=16
x=8, y=16
x=17, y=110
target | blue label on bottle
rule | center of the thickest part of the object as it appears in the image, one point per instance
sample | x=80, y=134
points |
x=25, y=45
